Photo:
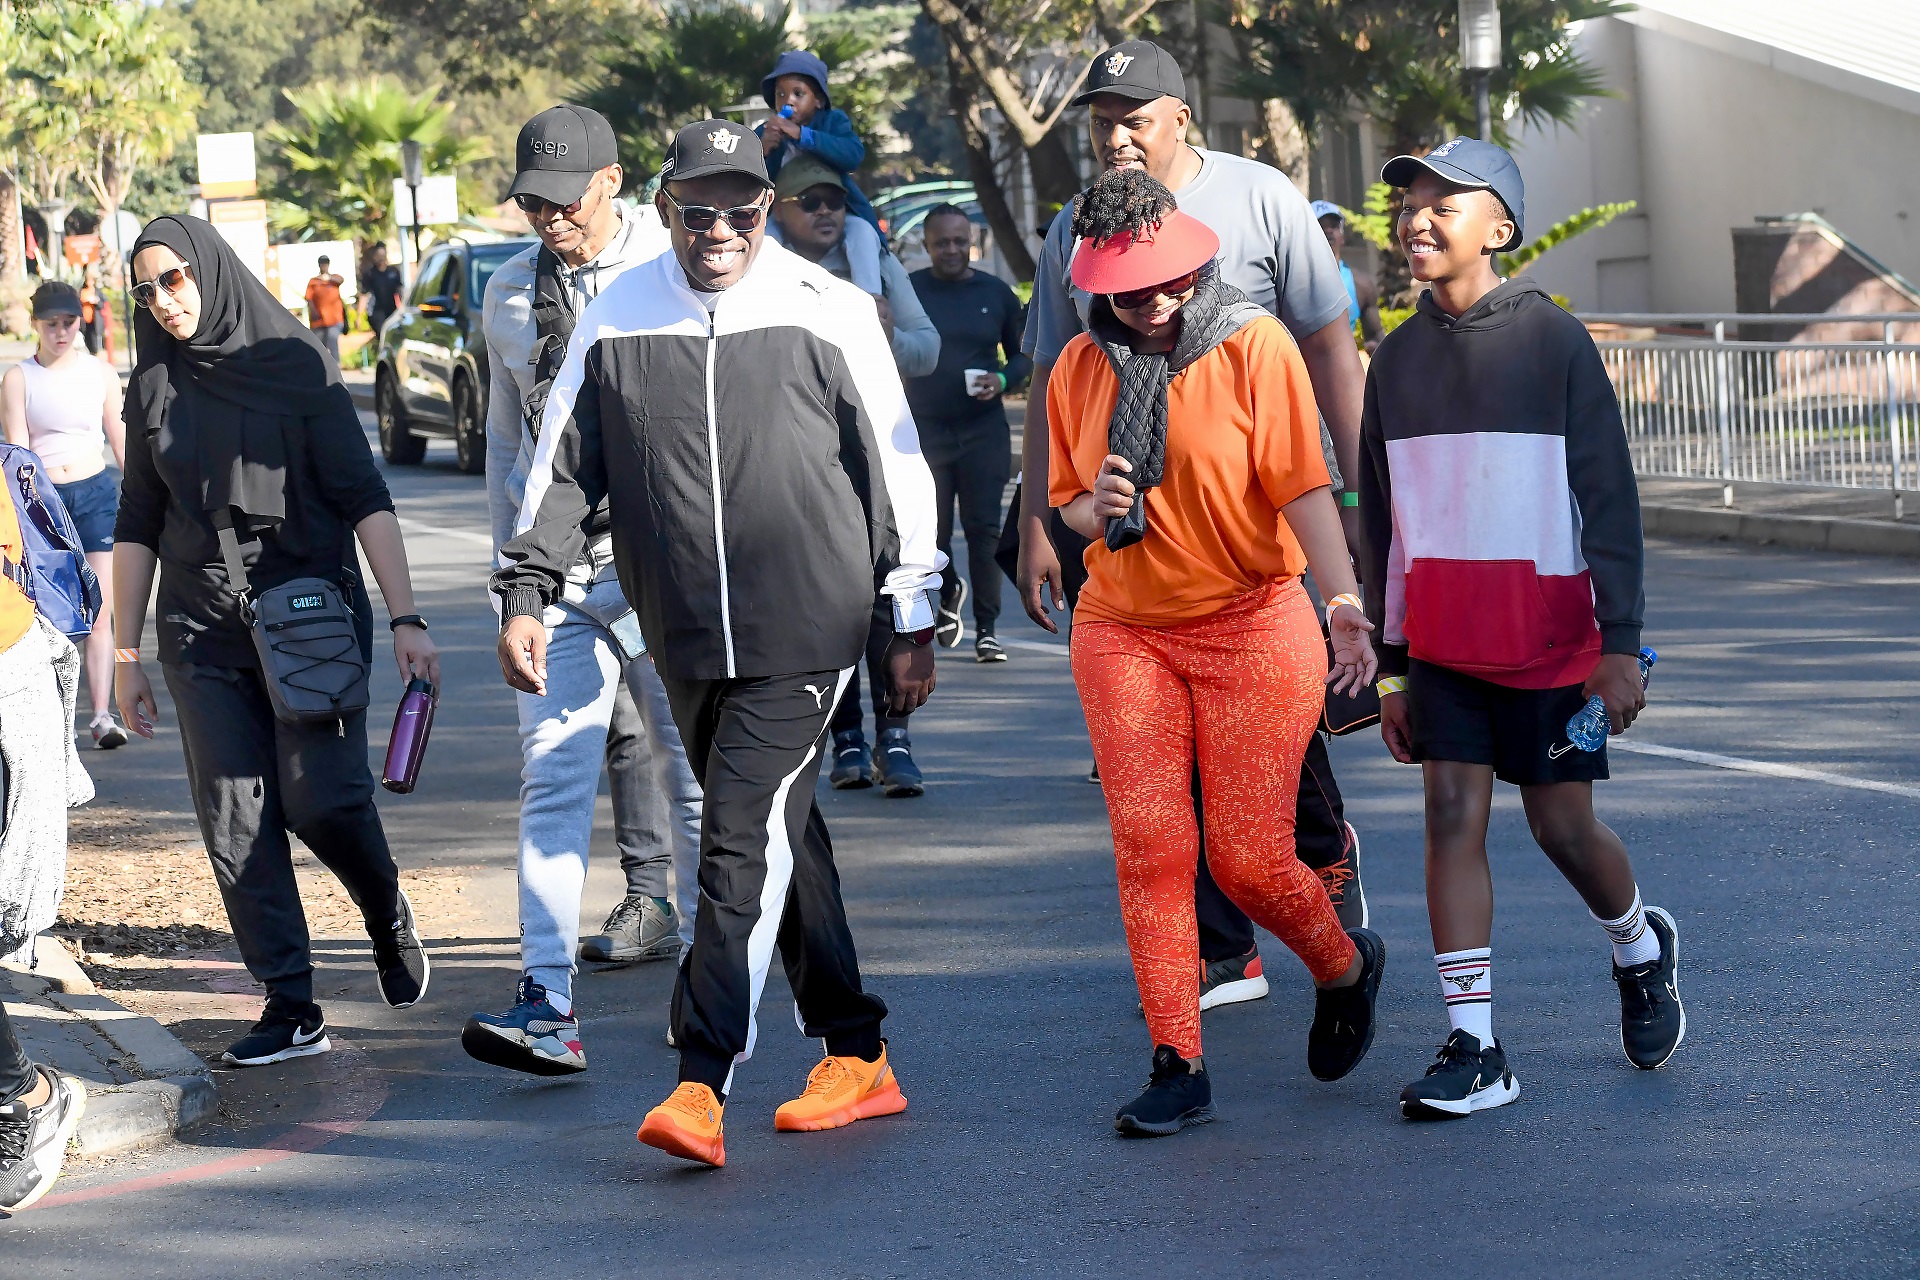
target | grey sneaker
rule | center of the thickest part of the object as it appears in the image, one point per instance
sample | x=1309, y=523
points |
x=33, y=1141
x=640, y=928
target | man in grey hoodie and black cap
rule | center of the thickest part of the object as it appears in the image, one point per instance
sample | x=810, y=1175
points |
x=568, y=185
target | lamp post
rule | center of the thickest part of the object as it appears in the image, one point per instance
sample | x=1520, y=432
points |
x=1480, y=55
x=411, y=174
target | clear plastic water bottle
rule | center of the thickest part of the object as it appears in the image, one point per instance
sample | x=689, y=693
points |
x=1588, y=730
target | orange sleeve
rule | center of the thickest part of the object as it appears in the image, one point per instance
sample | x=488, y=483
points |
x=1286, y=421
x=1066, y=397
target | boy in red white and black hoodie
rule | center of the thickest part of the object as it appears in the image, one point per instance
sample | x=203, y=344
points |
x=1503, y=570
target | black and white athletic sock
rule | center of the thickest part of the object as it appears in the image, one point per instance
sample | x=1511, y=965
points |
x=1633, y=942
x=1466, y=978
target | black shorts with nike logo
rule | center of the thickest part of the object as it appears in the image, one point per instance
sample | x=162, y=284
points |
x=1522, y=733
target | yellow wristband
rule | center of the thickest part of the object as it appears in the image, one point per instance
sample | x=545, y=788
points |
x=1390, y=684
x=126, y=655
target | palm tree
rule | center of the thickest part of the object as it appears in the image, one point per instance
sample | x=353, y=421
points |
x=341, y=157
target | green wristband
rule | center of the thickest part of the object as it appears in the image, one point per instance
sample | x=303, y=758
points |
x=1349, y=498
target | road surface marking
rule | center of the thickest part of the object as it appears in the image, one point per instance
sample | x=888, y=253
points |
x=461, y=535
x=1717, y=761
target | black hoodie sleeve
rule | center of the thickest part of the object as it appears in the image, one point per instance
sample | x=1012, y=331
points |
x=567, y=479
x=1376, y=530
x=1600, y=473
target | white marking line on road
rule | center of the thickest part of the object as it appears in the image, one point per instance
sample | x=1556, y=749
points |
x=1740, y=765
x=1712, y=759
x=462, y=535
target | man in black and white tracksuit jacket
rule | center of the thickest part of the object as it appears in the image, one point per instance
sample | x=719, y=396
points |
x=739, y=410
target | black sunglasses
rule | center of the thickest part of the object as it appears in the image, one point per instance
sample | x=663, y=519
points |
x=171, y=280
x=815, y=201
x=1134, y=299
x=701, y=217
x=535, y=207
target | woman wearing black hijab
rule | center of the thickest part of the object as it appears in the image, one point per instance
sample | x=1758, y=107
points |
x=235, y=408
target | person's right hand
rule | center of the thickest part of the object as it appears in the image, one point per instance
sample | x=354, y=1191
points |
x=523, y=654
x=885, y=309
x=1040, y=576
x=135, y=698
x=1113, y=492
x=1396, y=726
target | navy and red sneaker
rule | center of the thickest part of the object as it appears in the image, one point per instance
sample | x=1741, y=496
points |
x=533, y=1036
x=1235, y=980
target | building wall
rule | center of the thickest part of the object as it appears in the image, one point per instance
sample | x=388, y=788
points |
x=1707, y=140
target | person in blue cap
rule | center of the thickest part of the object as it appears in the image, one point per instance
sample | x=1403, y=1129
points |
x=805, y=120
x=1363, y=295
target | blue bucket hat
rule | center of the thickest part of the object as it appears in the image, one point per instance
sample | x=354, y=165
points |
x=797, y=62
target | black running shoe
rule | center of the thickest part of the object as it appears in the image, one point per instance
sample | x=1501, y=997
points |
x=1343, y=1017
x=1233, y=981
x=949, y=629
x=1463, y=1079
x=987, y=649
x=852, y=762
x=1652, y=1020
x=283, y=1032
x=33, y=1140
x=1178, y=1094
x=893, y=766
x=401, y=958
x=1344, y=890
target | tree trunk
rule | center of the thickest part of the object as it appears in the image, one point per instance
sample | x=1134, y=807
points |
x=14, y=316
x=1284, y=146
x=55, y=216
x=1056, y=178
x=980, y=167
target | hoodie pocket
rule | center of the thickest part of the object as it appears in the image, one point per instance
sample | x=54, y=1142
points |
x=1477, y=615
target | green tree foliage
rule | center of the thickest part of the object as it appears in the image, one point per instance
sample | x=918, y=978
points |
x=341, y=156
x=873, y=76
x=685, y=63
x=1398, y=61
x=1512, y=264
x=485, y=47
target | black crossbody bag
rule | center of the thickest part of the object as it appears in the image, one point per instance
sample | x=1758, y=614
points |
x=306, y=636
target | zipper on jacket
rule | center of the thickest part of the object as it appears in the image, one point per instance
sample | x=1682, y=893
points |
x=719, y=520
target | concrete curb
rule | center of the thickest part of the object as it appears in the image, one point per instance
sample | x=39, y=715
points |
x=175, y=1091
x=1798, y=533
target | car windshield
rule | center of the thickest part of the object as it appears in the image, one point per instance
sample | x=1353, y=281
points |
x=485, y=260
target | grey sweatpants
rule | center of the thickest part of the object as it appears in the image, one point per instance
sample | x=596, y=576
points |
x=254, y=780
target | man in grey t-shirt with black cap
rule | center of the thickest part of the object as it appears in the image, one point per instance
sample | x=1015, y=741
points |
x=1273, y=251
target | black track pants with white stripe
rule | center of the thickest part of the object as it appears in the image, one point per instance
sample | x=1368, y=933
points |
x=766, y=874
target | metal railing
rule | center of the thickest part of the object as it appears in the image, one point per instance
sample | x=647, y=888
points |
x=1701, y=405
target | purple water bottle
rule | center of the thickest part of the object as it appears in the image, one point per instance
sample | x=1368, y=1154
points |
x=408, y=745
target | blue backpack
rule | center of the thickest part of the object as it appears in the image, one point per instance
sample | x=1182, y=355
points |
x=53, y=571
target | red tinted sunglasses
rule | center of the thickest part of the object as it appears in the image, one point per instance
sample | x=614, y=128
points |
x=1134, y=299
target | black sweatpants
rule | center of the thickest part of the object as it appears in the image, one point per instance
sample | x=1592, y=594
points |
x=766, y=874
x=254, y=780
x=1320, y=823
x=971, y=462
x=17, y=1074
x=848, y=715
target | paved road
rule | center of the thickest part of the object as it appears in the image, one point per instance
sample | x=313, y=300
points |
x=1779, y=1142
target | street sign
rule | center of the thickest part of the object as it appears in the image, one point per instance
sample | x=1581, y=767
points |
x=226, y=165
x=243, y=224
x=439, y=201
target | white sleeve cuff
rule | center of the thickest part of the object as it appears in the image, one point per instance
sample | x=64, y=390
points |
x=912, y=612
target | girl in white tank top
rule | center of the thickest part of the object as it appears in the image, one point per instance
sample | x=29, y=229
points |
x=64, y=404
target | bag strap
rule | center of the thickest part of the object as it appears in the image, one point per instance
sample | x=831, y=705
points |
x=230, y=552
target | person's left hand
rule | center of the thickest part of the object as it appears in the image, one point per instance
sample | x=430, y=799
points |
x=909, y=675
x=1354, y=662
x=1617, y=680
x=416, y=655
x=885, y=310
x=987, y=388
x=781, y=129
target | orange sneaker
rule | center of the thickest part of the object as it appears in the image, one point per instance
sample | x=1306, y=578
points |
x=687, y=1125
x=840, y=1091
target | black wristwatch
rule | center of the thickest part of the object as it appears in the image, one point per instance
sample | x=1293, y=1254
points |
x=407, y=620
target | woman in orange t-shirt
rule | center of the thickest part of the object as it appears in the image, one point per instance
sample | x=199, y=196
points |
x=1186, y=444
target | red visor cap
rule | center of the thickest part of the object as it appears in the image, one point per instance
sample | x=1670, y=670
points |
x=1180, y=244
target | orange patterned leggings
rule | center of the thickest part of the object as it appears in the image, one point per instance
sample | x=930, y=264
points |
x=1241, y=691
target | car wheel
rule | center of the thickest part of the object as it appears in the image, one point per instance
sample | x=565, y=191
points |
x=469, y=430
x=397, y=445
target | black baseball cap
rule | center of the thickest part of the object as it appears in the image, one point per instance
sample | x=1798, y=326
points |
x=1138, y=69
x=1470, y=163
x=559, y=151
x=707, y=147
x=56, y=298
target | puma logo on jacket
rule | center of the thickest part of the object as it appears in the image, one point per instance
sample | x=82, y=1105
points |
x=1497, y=495
x=763, y=470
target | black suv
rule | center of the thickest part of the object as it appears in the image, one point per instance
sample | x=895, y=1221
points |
x=431, y=377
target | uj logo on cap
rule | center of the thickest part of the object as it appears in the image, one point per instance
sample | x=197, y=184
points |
x=1117, y=64
x=1443, y=148
x=723, y=141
